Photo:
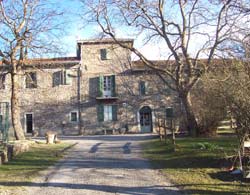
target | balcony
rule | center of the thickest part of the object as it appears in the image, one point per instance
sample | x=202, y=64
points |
x=107, y=88
x=106, y=96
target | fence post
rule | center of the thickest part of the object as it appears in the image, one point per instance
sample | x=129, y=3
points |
x=173, y=132
x=159, y=127
x=165, y=130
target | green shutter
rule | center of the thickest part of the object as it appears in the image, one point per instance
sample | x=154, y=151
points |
x=114, y=112
x=1, y=123
x=167, y=90
x=100, y=86
x=113, y=87
x=100, y=112
x=57, y=78
x=103, y=53
x=142, y=88
x=145, y=88
x=34, y=78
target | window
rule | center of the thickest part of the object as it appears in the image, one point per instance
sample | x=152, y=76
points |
x=29, y=123
x=30, y=80
x=142, y=88
x=167, y=90
x=61, y=78
x=107, y=86
x=107, y=112
x=74, y=116
x=2, y=81
x=103, y=53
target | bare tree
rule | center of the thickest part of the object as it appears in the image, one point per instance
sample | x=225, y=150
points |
x=28, y=28
x=190, y=29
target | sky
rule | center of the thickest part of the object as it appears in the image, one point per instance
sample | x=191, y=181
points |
x=79, y=30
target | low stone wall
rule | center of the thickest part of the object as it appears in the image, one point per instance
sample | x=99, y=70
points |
x=13, y=149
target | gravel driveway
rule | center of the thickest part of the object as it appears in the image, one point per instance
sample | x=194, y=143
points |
x=103, y=165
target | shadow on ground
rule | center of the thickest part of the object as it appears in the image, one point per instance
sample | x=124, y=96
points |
x=156, y=189
x=129, y=137
x=225, y=176
x=218, y=189
x=100, y=188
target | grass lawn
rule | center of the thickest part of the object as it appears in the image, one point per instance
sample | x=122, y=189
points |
x=198, y=166
x=27, y=165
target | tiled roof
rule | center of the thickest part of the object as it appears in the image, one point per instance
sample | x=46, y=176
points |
x=62, y=60
x=163, y=63
x=51, y=61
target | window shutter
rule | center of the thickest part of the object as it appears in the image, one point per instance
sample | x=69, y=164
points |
x=1, y=123
x=103, y=53
x=100, y=112
x=100, y=86
x=167, y=90
x=30, y=80
x=68, y=78
x=114, y=112
x=34, y=79
x=113, y=86
x=2, y=81
x=142, y=88
x=57, y=78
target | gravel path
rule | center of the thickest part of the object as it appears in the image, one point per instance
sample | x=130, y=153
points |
x=103, y=165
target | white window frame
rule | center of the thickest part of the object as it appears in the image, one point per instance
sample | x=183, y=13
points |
x=107, y=113
x=77, y=116
x=107, y=86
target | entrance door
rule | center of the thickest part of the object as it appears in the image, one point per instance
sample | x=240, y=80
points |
x=29, y=123
x=146, y=119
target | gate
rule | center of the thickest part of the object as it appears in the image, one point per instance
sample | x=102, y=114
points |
x=4, y=122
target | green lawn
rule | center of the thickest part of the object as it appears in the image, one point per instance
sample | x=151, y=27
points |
x=198, y=166
x=27, y=165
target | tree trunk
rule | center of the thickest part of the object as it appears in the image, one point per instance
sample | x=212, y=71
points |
x=15, y=107
x=192, y=125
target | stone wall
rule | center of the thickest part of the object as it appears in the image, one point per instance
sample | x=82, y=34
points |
x=51, y=106
x=127, y=88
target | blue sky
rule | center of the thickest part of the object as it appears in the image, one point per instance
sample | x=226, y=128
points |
x=76, y=28
x=79, y=30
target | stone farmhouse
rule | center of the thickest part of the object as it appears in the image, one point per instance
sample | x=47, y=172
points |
x=98, y=90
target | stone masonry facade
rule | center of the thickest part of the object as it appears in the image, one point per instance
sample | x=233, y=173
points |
x=99, y=89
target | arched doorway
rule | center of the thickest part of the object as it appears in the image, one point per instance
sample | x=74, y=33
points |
x=145, y=119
